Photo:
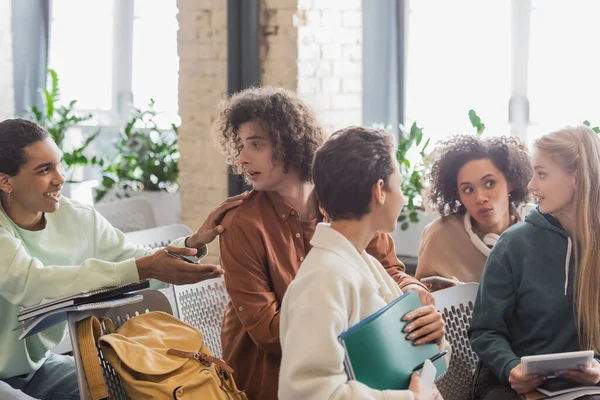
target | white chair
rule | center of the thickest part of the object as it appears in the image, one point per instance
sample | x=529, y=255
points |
x=128, y=215
x=160, y=236
x=203, y=306
x=456, y=306
x=153, y=301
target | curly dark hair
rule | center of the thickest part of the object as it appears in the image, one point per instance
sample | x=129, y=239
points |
x=291, y=125
x=508, y=154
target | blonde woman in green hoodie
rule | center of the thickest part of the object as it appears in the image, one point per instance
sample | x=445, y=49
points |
x=539, y=290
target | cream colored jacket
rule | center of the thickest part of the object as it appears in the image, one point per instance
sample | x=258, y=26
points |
x=336, y=287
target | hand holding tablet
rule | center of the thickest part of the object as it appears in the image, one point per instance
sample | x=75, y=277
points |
x=548, y=364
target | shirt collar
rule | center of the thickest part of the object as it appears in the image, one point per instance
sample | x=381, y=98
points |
x=283, y=209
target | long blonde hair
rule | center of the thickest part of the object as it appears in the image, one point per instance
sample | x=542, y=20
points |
x=577, y=149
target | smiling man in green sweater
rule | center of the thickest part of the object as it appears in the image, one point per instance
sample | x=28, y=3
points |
x=52, y=247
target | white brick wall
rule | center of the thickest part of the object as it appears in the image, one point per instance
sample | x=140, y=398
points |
x=202, y=48
x=324, y=38
x=6, y=66
x=278, y=50
x=330, y=60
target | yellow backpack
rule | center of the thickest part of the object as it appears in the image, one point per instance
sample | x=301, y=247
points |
x=156, y=356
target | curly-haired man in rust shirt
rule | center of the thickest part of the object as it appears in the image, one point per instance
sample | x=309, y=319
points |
x=270, y=136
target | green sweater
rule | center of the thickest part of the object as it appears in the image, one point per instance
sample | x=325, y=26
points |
x=77, y=250
x=525, y=301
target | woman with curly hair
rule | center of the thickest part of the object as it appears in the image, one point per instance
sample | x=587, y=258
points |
x=270, y=136
x=478, y=186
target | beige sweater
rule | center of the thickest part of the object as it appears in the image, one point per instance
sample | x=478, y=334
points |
x=446, y=250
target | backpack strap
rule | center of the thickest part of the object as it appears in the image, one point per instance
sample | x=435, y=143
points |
x=202, y=358
x=89, y=331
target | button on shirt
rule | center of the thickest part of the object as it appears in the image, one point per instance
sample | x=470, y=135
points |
x=262, y=247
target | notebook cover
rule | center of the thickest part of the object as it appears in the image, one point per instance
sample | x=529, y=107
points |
x=48, y=320
x=377, y=351
x=89, y=296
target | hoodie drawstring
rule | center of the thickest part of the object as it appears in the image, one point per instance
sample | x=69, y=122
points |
x=567, y=262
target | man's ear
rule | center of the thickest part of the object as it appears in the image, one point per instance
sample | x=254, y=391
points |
x=378, y=193
x=5, y=182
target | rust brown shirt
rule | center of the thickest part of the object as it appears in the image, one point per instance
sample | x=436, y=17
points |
x=262, y=247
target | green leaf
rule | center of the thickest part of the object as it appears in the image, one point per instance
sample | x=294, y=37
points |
x=476, y=122
x=404, y=226
x=147, y=156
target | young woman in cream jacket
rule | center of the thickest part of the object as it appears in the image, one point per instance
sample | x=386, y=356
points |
x=357, y=181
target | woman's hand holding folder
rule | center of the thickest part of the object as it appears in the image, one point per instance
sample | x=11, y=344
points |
x=427, y=325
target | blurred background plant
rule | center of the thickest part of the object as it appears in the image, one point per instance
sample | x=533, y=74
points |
x=58, y=118
x=413, y=157
x=146, y=157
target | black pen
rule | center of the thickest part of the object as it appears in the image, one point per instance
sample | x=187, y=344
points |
x=432, y=359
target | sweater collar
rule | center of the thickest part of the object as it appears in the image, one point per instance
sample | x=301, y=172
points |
x=329, y=239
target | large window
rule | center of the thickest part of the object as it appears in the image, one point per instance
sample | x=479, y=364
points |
x=458, y=59
x=111, y=55
x=470, y=54
x=564, y=82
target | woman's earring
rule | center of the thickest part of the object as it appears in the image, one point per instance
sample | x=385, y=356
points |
x=8, y=199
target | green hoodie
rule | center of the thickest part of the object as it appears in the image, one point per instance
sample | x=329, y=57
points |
x=525, y=301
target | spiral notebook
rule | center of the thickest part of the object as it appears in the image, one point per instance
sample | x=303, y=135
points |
x=88, y=296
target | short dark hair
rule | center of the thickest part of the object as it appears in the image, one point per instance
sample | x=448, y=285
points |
x=290, y=124
x=347, y=166
x=508, y=154
x=15, y=135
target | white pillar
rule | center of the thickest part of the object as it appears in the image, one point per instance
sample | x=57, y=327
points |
x=519, y=103
x=7, y=98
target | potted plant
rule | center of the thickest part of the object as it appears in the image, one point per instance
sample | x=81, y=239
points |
x=58, y=118
x=145, y=165
x=411, y=155
x=413, y=160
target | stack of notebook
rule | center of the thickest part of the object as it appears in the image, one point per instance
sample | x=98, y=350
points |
x=51, y=312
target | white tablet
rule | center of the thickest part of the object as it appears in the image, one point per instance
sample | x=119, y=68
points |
x=548, y=364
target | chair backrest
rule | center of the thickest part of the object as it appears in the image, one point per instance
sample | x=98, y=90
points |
x=153, y=301
x=128, y=215
x=160, y=236
x=203, y=306
x=456, y=306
